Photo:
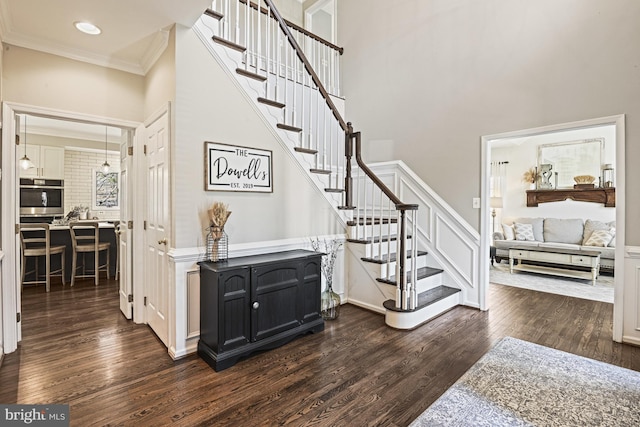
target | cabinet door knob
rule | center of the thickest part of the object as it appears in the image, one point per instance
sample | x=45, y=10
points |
x=256, y=305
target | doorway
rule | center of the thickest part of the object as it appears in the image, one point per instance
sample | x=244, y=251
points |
x=618, y=138
x=10, y=291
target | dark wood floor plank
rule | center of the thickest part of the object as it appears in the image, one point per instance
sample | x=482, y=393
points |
x=78, y=349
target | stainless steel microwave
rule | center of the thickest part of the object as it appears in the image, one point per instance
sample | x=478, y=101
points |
x=41, y=197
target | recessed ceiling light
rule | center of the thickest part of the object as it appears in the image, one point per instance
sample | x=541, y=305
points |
x=87, y=28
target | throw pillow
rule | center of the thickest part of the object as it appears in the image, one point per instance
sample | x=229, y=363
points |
x=524, y=232
x=599, y=238
x=590, y=226
x=508, y=231
x=612, y=243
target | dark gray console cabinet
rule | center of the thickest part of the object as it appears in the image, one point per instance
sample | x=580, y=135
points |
x=257, y=303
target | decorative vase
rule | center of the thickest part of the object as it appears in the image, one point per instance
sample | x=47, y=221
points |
x=329, y=302
x=217, y=244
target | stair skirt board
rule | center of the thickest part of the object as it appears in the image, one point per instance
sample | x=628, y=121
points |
x=412, y=319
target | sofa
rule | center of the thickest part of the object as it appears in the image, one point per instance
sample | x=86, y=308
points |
x=557, y=233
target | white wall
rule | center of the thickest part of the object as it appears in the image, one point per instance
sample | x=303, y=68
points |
x=522, y=154
x=209, y=107
x=433, y=76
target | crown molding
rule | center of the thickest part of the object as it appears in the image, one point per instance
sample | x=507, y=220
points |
x=154, y=50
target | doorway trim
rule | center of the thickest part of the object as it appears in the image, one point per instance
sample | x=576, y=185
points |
x=10, y=286
x=485, y=238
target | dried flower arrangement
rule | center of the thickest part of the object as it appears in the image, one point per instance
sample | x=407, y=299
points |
x=530, y=176
x=218, y=214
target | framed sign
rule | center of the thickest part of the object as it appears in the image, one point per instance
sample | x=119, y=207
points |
x=105, y=191
x=236, y=168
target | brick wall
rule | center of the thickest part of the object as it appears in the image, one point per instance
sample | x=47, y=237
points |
x=78, y=167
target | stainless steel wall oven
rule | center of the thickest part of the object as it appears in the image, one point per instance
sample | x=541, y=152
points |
x=41, y=197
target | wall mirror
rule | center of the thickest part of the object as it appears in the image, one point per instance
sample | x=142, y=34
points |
x=569, y=159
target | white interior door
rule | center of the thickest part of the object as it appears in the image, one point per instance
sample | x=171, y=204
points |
x=124, y=239
x=157, y=224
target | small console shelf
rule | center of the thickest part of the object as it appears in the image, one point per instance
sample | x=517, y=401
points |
x=606, y=195
x=257, y=303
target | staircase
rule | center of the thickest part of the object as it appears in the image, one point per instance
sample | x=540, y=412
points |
x=285, y=71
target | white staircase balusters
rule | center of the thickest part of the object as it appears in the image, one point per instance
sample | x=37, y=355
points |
x=289, y=75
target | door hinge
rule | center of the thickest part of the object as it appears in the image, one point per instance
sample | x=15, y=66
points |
x=18, y=317
x=17, y=139
x=145, y=149
x=130, y=225
x=17, y=228
x=145, y=301
x=130, y=151
x=130, y=298
x=144, y=225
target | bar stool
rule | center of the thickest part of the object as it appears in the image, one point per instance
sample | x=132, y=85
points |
x=83, y=242
x=36, y=246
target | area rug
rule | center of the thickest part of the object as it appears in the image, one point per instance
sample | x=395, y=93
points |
x=578, y=288
x=518, y=383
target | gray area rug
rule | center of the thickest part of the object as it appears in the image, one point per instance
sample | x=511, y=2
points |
x=518, y=383
x=578, y=288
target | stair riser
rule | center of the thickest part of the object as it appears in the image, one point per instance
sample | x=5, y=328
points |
x=362, y=231
x=373, y=250
x=421, y=262
x=410, y=320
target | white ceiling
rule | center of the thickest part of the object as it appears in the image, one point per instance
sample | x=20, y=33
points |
x=134, y=32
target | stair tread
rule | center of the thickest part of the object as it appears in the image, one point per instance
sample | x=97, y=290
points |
x=377, y=239
x=392, y=258
x=423, y=272
x=321, y=171
x=425, y=298
x=346, y=208
x=305, y=150
x=229, y=44
x=288, y=127
x=212, y=13
x=250, y=74
x=371, y=221
x=270, y=102
x=334, y=190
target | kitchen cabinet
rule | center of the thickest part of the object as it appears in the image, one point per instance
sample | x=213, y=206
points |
x=256, y=303
x=48, y=162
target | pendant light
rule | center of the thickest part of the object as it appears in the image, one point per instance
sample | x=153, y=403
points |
x=25, y=162
x=105, y=166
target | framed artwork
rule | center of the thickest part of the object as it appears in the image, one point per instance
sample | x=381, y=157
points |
x=237, y=168
x=105, y=190
x=569, y=159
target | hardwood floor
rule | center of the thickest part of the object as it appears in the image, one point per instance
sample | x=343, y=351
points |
x=78, y=349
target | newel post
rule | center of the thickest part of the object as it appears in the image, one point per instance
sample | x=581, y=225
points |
x=348, y=152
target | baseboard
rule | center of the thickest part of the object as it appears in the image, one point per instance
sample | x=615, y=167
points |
x=370, y=307
x=631, y=340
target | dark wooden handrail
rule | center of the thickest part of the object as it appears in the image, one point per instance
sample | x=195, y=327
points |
x=296, y=27
x=307, y=64
x=394, y=199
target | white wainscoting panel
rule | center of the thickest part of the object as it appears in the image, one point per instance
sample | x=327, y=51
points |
x=631, y=296
x=451, y=242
